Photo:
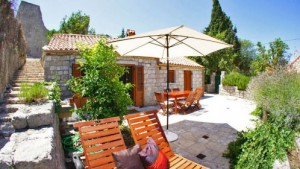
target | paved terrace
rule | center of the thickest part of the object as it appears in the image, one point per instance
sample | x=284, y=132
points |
x=206, y=133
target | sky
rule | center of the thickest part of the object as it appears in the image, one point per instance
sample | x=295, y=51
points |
x=256, y=20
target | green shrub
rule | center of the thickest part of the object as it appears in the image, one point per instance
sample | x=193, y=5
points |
x=269, y=141
x=236, y=79
x=278, y=94
x=33, y=93
x=234, y=149
x=101, y=82
x=55, y=95
x=257, y=112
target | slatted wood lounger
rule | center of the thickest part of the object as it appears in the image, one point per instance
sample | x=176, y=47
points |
x=99, y=139
x=146, y=124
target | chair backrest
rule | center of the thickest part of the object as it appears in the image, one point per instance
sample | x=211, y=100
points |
x=198, y=93
x=165, y=90
x=190, y=99
x=159, y=97
x=146, y=124
x=99, y=140
x=176, y=89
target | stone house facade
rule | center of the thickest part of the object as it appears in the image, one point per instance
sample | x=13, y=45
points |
x=148, y=74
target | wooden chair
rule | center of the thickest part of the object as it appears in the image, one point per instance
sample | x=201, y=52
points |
x=198, y=95
x=99, y=140
x=175, y=89
x=188, y=103
x=146, y=124
x=162, y=103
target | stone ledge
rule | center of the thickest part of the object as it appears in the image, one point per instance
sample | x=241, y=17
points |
x=34, y=116
x=31, y=149
x=34, y=148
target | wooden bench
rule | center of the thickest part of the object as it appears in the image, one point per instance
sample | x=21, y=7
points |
x=146, y=124
x=99, y=140
x=102, y=137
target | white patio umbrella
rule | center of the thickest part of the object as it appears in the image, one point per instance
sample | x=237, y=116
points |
x=178, y=41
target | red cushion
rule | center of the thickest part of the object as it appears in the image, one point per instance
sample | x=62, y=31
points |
x=161, y=162
x=152, y=157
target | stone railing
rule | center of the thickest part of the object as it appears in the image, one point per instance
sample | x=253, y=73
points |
x=36, y=142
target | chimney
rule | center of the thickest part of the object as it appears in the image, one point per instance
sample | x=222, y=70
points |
x=130, y=32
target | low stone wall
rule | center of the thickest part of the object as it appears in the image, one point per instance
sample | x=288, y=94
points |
x=233, y=91
x=36, y=147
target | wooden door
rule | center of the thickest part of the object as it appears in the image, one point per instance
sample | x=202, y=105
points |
x=138, y=90
x=76, y=70
x=188, y=80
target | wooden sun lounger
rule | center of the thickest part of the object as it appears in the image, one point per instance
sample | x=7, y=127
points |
x=99, y=139
x=146, y=124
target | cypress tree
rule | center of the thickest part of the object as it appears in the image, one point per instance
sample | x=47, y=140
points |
x=221, y=28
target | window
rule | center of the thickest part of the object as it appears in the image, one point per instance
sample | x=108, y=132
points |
x=172, y=76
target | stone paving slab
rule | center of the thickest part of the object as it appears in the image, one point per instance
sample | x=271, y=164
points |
x=193, y=142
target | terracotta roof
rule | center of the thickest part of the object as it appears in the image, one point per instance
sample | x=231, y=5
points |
x=67, y=42
x=294, y=60
x=181, y=61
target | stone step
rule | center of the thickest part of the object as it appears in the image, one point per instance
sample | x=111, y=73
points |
x=6, y=129
x=3, y=141
x=5, y=117
x=16, y=88
x=9, y=108
x=19, y=84
x=14, y=100
x=14, y=94
x=30, y=78
x=27, y=81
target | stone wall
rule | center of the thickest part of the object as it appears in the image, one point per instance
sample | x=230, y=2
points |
x=37, y=147
x=12, y=46
x=35, y=32
x=211, y=88
x=150, y=75
x=59, y=67
x=232, y=90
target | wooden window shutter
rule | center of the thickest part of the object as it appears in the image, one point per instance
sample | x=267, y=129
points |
x=172, y=76
x=139, y=86
x=76, y=70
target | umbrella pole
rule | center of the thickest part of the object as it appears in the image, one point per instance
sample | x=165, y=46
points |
x=168, y=88
x=170, y=135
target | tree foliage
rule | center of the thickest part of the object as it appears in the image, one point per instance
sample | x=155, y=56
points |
x=248, y=54
x=273, y=58
x=123, y=35
x=108, y=95
x=77, y=23
x=221, y=28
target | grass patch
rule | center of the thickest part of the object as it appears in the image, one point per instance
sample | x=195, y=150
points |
x=33, y=93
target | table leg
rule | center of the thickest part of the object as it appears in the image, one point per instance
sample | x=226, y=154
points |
x=175, y=104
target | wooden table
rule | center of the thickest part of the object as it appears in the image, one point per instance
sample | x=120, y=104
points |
x=176, y=95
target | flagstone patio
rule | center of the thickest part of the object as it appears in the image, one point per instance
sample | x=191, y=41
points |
x=206, y=133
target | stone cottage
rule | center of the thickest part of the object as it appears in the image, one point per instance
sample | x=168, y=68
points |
x=295, y=65
x=147, y=74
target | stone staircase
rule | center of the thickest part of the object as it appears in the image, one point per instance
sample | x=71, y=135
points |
x=30, y=73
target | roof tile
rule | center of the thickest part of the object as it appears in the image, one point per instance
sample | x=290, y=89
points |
x=68, y=43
